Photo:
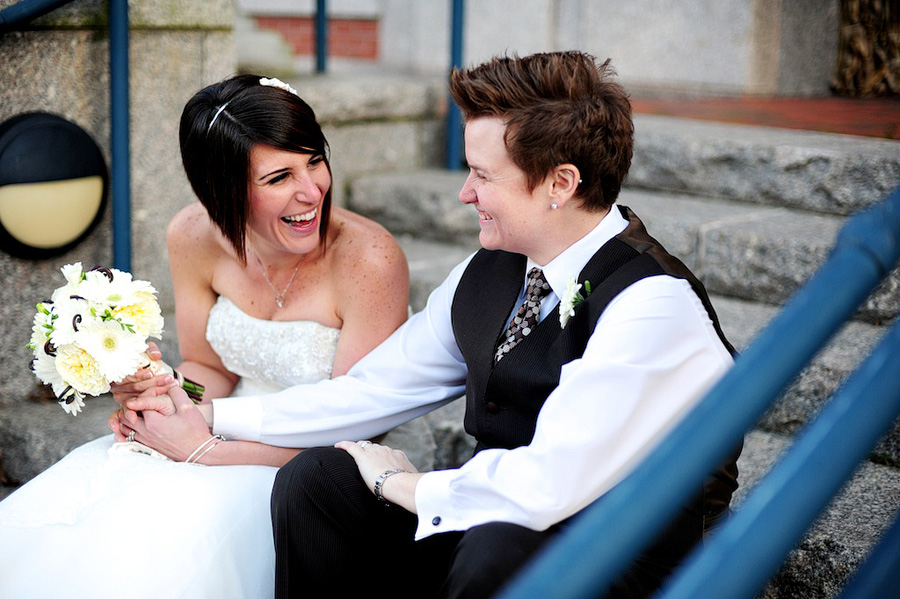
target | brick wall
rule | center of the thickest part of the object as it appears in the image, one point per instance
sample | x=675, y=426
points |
x=347, y=38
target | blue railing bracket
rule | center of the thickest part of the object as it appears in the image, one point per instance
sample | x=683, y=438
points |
x=454, y=117
x=15, y=16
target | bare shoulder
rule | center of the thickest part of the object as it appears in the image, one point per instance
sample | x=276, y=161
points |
x=366, y=249
x=191, y=230
x=195, y=244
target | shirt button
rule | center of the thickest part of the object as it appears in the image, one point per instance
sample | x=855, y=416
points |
x=436, y=520
x=492, y=408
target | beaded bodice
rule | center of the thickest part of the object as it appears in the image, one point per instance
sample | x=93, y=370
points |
x=270, y=355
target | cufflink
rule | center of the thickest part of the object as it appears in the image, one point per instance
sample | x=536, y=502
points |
x=436, y=520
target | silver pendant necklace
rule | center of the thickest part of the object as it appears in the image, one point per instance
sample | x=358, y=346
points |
x=279, y=297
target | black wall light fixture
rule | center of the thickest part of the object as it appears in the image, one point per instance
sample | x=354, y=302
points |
x=53, y=185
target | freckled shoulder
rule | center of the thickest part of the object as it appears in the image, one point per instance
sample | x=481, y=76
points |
x=191, y=230
x=363, y=248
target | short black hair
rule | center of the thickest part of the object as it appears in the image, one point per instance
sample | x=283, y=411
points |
x=220, y=125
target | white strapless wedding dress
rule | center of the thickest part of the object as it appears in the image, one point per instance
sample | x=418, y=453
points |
x=118, y=524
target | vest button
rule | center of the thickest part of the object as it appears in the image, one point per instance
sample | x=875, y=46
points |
x=492, y=408
x=436, y=520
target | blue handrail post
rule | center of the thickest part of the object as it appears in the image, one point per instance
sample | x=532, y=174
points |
x=25, y=11
x=454, y=117
x=786, y=502
x=321, y=35
x=119, y=133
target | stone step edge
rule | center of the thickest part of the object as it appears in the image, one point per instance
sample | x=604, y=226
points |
x=757, y=252
x=843, y=534
x=829, y=173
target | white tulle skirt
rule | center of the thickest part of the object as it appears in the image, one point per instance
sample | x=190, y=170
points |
x=125, y=525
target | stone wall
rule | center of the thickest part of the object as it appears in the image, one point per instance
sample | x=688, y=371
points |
x=59, y=64
x=770, y=47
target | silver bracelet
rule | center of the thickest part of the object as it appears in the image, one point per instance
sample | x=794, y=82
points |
x=204, y=447
x=379, y=482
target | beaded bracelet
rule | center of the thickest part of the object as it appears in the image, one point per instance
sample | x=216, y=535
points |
x=204, y=448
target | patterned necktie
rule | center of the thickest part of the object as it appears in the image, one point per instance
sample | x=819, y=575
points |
x=527, y=316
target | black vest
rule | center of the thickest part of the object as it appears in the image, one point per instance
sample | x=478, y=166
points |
x=503, y=401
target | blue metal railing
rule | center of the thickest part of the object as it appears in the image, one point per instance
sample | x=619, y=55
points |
x=321, y=36
x=21, y=13
x=610, y=533
x=454, y=117
x=120, y=137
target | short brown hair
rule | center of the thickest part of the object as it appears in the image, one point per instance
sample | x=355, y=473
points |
x=559, y=107
x=219, y=127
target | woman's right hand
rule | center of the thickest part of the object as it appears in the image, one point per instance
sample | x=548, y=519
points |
x=135, y=384
x=155, y=399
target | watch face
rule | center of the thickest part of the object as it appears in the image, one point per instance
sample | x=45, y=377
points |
x=53, y=185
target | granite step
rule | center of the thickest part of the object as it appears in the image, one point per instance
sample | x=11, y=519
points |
x=749, y=251
x=843, y=534
x=819, y=172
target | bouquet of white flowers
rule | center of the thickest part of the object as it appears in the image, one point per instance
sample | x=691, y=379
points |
x=92, y=332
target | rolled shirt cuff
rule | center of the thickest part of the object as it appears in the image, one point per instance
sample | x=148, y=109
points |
x=238, y=417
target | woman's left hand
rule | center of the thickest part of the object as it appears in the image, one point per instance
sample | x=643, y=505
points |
x=171, y=424
x=373, y=459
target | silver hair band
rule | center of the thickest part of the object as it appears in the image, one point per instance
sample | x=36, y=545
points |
x=215, y=116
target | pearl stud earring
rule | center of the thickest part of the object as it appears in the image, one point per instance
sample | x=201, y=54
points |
x=554, y=206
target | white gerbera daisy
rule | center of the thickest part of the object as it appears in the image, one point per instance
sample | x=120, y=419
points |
x=117, y=352
x=79, y=370
x=106, y=287
x=70, y=316
x=73, y=402
x=44, y=367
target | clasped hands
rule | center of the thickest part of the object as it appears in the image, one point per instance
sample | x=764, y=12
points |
x=156, y=411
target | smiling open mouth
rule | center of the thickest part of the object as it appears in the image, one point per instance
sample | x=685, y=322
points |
x=300, y=219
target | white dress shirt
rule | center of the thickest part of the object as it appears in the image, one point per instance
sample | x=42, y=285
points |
x=653, y=354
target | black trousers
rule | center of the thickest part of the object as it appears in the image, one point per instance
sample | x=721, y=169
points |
x=332, y=537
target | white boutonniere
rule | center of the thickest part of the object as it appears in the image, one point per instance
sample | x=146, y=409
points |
x=571, y=299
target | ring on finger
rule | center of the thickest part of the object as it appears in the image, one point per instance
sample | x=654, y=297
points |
x=363, y=444
x=130, y=436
